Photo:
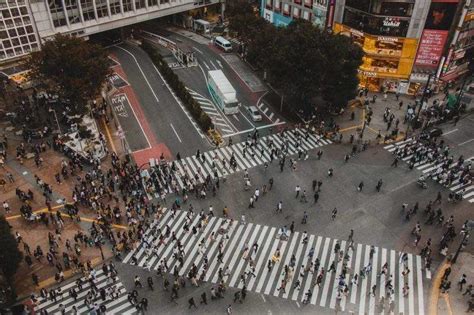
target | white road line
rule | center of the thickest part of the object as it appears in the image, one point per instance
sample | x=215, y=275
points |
x=199, y=51
x=363, y=284
x=411, y=292
x=219, y=63
x=205, y=64
x=176, y=133
x=449, y=132
x=419, y=285
x=213, y=64
x=356, y=271
x=463, y=143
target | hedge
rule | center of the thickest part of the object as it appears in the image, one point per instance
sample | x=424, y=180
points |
x=203, y=119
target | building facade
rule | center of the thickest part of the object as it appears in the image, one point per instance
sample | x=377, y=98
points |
x=404, y=41
x=461, y=50
x=25, y=24
x=282, y=12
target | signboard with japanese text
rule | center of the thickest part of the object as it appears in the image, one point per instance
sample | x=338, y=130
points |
x=431, y=48
x=434, y=36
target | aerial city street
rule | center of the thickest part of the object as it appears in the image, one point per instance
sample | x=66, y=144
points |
x=236, y=157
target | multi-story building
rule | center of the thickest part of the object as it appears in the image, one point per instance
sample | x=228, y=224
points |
x=282, y=12
x=406, y=41
x=461, y=50
x=18, y=35
x=25, y=24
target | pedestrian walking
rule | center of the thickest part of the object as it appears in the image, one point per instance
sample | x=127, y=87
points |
x=334, y=213
x=462, y=281
x=191, y=303
x=203, y=298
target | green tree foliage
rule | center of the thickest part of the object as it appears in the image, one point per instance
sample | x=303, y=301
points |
x=77, y=69
x=10, y=255
x=303, y=62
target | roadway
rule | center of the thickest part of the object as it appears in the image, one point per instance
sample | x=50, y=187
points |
x=164, y=120
x=247, y=85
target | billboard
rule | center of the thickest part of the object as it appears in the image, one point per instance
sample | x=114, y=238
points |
x=434, y=36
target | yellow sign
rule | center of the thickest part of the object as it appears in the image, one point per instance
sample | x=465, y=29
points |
x=469, y=17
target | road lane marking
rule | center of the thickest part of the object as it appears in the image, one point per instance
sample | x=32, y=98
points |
x=219, y=63
x=205, y=64
x=172, y=127
x=449, y=132
x=141, y=70
x=199, y=51
x=213, y=64
x=463, y=143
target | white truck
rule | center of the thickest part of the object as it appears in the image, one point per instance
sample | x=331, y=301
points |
x=222, y=92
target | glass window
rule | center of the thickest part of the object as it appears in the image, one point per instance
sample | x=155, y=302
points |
x=2, y=55
x=15, y=41
x=127, y=5
x=73, y=11
x=87, y=10
x=101, y=6
x=6, y=14
x=24, y=11
x=24, y=40
x=12, y=33
x=15, y=12
x=21, y=30
x=32, y=38
x=29, y=29
x=7, y=43
x=375, y=25
x=363, y=5
x=139, y=4
x=26, y=20
x=115, y=7
x=152, y=2
x=57, y=13
x=3, y=35
x=18, y=51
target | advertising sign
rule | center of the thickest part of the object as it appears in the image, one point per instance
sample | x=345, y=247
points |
x=320, y=8
x=268, y=15
x=431, y=48
x=440, y=16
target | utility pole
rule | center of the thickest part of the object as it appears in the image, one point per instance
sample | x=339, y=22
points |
x=423, y=97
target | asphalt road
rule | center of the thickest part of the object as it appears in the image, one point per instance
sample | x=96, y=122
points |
x=211, y=58
x=168, y=121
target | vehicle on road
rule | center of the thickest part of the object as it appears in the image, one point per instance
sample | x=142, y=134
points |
x=222, y=92
x=223, y=43
x=254, y=113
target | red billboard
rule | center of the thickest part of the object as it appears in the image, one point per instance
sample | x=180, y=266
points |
x=433, y=39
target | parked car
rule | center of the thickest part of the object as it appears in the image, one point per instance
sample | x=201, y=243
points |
x=254, y=113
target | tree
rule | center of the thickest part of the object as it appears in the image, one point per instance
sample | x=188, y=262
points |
x=306, y=64
x=75, y=68
x=10, y=255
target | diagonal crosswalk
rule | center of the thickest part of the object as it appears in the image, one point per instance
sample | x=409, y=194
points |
x=428, y=167
x=116, y=301
x=298, y=251
x=217, y=163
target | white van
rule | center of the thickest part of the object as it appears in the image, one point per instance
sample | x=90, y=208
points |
x=223, y=43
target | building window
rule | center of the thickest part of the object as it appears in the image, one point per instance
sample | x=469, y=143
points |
x=3, y=35
x=297, y=1
x=29, y=29
x=73, y=11
x=152, y=2
x=286, y=9
x=57, y=13
x=115, y=7
x=101, y=6
x=87, y=10
x=164, y=1
x=296, y=12
x=306, y=15
x=376, y=25
x=21, y=30
x=127, y=5
x=139, y=4
x=23, y=11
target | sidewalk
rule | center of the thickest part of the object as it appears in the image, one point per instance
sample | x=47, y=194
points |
x=454, y=302
x=36, y=234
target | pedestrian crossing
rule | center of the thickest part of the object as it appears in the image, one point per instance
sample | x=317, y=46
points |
x=116, y=301
x=428, y=168
x=299, y=251
x=217, y=117
x=176, y=175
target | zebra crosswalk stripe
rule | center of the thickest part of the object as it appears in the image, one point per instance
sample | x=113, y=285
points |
x=427, y=167
x=113, y=306
x=268, y=281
